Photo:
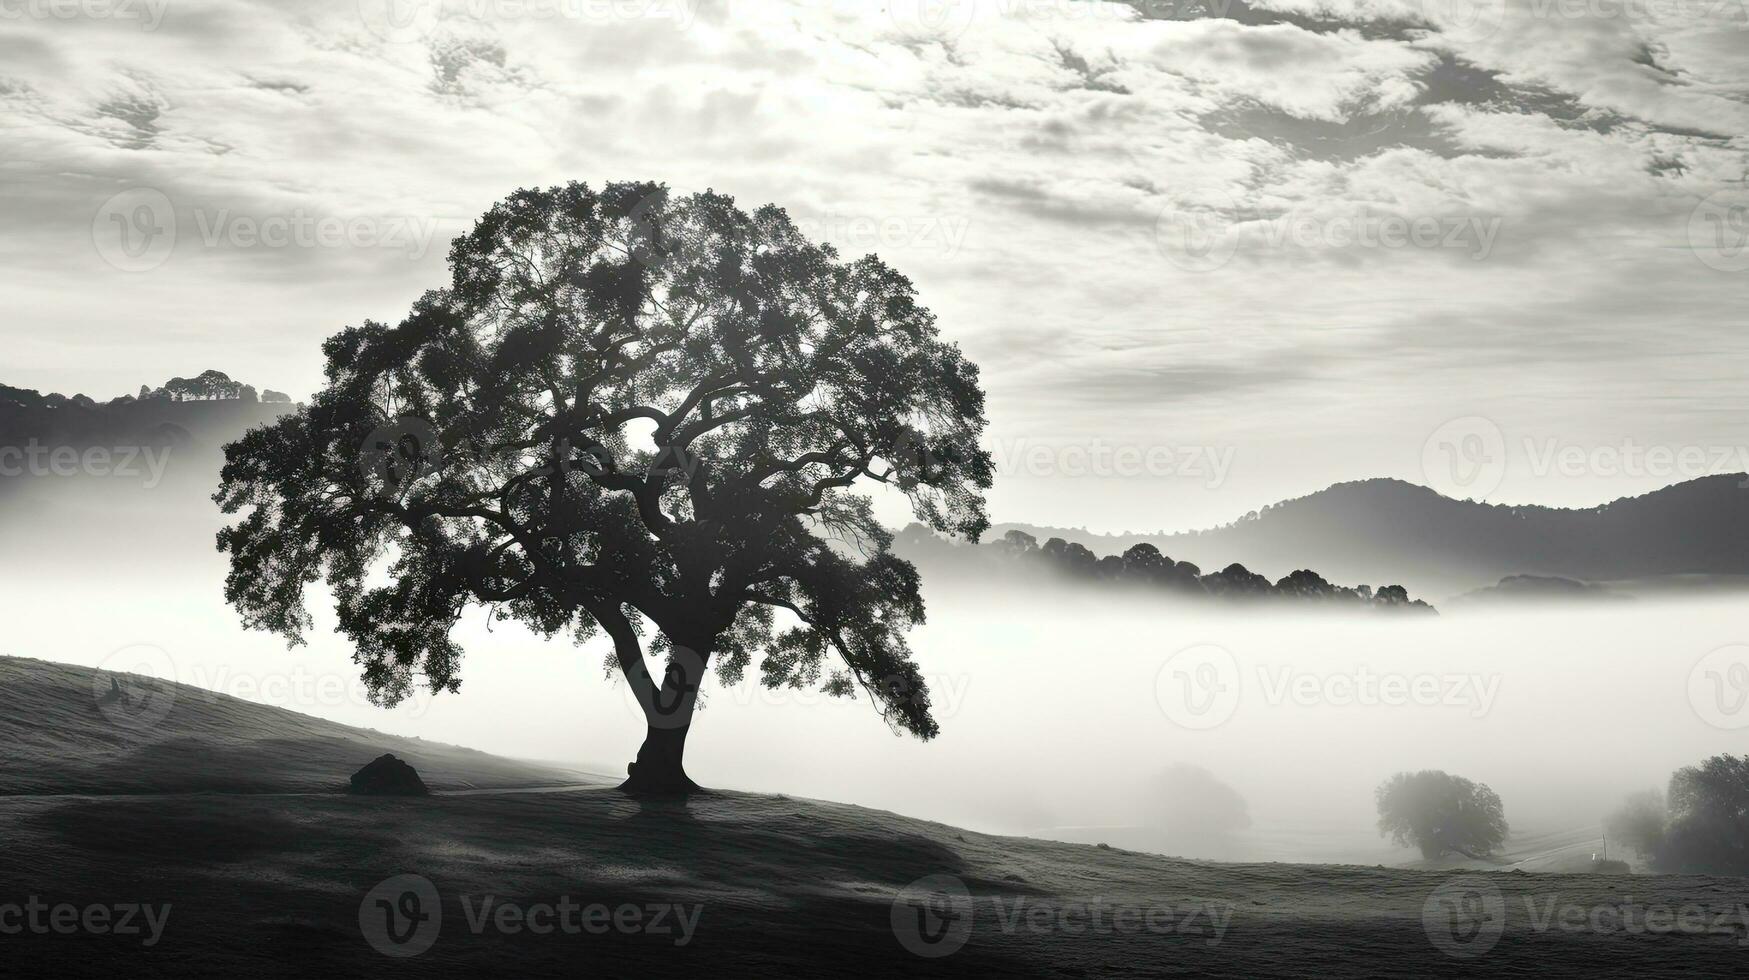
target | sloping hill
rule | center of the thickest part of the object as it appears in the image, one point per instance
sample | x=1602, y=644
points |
x=1392, y=532
x=286, y=883
x=78, y=730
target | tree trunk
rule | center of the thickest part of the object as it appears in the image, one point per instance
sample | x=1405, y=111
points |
x=660, y=767
x=659, y=770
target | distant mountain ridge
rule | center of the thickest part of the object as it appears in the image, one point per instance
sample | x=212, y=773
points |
x=1385, y=530
x=185, y=423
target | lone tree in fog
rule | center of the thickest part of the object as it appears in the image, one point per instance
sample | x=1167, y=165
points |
x=626, y=411
x=1441, y=814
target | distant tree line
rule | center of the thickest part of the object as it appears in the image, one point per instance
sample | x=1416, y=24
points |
x=1144, y=565
x=206, y=386
x=1701, y=826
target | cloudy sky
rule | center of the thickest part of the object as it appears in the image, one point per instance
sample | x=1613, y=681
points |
x=1208, y=254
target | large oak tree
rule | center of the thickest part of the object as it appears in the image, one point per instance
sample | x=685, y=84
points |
x=629, y=414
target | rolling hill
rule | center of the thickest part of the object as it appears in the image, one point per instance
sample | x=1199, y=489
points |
x=268, y=872
x=79, y=730
x=1392, y=532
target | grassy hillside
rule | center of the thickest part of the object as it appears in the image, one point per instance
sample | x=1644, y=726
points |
x=66, y=732
x=771, y=886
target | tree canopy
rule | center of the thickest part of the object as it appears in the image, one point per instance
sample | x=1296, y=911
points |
x=627, y=409
x=1441, y=814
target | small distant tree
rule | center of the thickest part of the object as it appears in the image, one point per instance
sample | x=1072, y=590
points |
x=1441, y=814
x=631, y=415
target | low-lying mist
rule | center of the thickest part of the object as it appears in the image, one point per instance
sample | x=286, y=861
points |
x=1206, y=730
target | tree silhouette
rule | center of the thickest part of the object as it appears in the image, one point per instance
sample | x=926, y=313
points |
x=1441, y=814
x=627, y=410
x=1704, y=826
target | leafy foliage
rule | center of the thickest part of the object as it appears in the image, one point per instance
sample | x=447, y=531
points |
x=1145, y=566
x=1704, y=826
x=1440, y=814
x=626, y=409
